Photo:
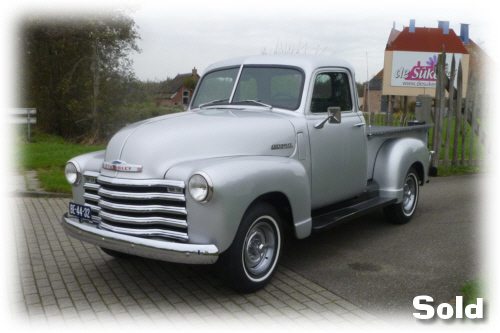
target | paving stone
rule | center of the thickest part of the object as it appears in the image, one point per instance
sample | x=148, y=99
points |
x=62, y=281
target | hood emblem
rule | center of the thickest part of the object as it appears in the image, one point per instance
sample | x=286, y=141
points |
x=282, y=146
x=121, y=166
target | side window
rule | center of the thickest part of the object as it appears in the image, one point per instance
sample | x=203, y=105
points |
x=331, y=89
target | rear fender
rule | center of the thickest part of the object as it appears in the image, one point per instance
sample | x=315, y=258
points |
x=393, y=161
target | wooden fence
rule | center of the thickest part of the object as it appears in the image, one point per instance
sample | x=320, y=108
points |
x=460, y=122
x=388, y=119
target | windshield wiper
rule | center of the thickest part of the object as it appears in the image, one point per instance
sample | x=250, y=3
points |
x=217, y=101
x=254, y=101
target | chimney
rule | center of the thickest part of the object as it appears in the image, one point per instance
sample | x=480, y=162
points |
x=464, y=33
x=194, y=72
x=412, y=26
x=445, y=25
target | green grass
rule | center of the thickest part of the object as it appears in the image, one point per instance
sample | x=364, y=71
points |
x=471, y=291
x=459, y=170
x=467, y=142
x=48, y=154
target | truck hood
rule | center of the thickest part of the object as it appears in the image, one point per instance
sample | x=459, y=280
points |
x=157, y=144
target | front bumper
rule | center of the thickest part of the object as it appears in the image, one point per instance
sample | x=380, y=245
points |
x=142, y=247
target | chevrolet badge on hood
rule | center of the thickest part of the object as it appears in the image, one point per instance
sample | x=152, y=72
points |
x=121, y=166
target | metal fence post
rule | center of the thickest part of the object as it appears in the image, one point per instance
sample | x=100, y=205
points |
x=423, y=108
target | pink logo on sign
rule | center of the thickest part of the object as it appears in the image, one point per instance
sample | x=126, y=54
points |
x=423, y=73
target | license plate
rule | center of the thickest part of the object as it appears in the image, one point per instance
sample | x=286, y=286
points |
x=80, y=211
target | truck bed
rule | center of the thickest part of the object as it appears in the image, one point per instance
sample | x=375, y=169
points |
x=390, y=131
x=378, y=135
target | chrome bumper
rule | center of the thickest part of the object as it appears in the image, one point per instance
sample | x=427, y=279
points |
x=142, y=247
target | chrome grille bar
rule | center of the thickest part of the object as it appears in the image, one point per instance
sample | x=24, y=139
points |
x=143, y=208
x=141, y=183
x=142, y=220
x=91, y=197
x=93, y=207
x=138, y=207
x=140, y=196
x=146, y=232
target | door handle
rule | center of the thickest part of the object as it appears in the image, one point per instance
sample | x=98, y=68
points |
x=358, y=125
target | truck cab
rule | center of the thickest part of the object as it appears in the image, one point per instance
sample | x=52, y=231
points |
x=268, y=142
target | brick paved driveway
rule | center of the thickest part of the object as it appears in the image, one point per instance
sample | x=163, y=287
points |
x=55, y=280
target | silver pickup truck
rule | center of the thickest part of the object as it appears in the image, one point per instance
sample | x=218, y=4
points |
x=269, y=143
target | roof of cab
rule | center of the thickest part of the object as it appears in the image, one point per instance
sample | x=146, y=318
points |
x=307, y=62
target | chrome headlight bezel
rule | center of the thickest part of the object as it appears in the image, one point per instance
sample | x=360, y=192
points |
x=200, y=187
x=73, y=173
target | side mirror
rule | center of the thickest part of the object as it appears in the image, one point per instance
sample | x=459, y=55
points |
x=334, y=117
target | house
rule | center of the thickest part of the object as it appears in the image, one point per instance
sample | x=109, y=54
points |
x=410, y=56
x=373, y=100
x=177, y=93
x=409, y=60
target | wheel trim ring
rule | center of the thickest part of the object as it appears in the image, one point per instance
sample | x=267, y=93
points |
x=410, y=194
x=264, y=267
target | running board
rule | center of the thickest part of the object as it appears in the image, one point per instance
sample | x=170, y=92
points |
x=329, y=219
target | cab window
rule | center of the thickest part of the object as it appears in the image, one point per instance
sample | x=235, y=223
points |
x=331, y=89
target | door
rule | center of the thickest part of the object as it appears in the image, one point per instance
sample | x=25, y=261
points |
x=338, y=151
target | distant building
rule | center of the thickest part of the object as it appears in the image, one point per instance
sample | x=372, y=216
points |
x=373, y=100
x=176, y=92
x=409, y=60
x=410, y=56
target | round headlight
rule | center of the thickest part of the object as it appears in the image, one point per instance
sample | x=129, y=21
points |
x=200, y=187
x=73, y=174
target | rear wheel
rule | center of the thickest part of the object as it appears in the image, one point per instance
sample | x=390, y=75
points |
x=251, y=260
x=402, y=212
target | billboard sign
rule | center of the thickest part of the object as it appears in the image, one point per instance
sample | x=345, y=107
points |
x=416, y=69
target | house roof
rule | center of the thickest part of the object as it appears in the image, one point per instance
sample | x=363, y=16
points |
x=177, y=83
x=427, y=40
x=376, y=82
x=392, y=36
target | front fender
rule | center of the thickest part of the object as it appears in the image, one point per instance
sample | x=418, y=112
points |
x=237, y=182
x=87, y=162
x=393, y=161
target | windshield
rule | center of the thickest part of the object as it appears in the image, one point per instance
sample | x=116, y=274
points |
x=270, y=86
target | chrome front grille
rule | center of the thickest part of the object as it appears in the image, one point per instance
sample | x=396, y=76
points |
x=141, y=208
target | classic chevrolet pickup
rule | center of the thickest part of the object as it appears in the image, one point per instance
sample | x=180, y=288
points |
x=268, y=143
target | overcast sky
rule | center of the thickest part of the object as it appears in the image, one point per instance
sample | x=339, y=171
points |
x=179, y=35
x=176, y=38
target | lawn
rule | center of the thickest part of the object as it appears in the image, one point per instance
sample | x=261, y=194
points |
x=48, y=154
x=472, y=290
x=467, y=142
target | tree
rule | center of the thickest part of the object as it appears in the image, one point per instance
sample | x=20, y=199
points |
x=360, y=87
x=190, y=83
x=74, y=68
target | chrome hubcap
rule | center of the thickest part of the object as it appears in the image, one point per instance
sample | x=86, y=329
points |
x=259, y=248
x=409, y=194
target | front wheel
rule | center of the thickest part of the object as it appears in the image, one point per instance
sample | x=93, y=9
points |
x=251, y=260
x=402, y=212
